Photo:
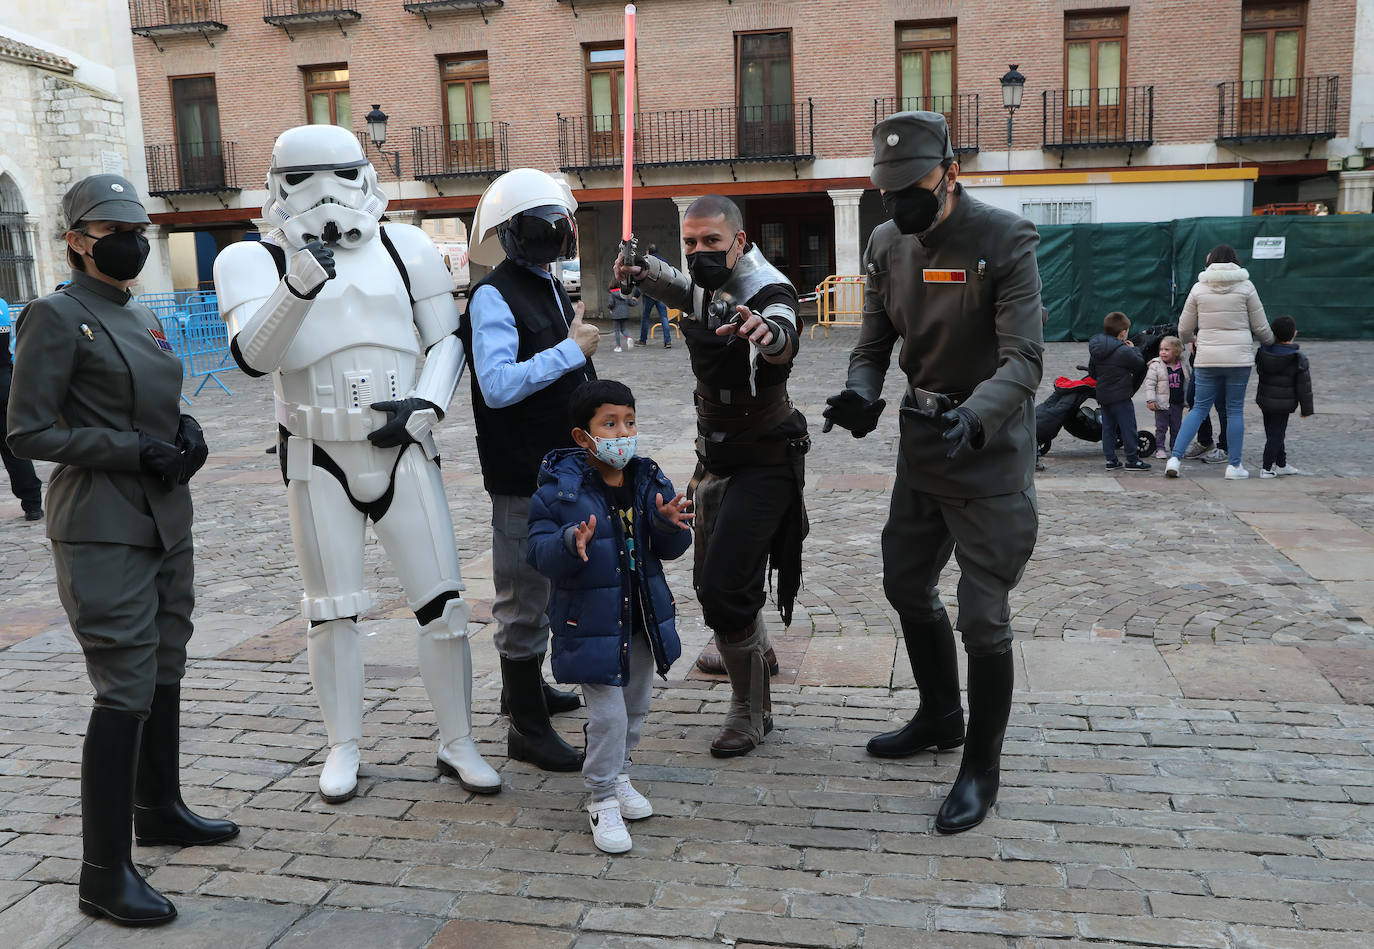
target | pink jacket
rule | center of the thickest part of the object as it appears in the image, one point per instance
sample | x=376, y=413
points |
x=1157, y=381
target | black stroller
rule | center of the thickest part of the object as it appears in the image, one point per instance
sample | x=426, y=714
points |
x=1072, y=407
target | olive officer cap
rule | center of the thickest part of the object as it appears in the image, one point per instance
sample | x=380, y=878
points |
x=103, y=198
x=906, y=146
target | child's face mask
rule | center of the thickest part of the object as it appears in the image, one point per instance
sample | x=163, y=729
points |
x=616, y=452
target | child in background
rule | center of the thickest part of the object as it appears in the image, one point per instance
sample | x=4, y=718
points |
x=1113, y=361
x=601, y=523
x=1285, y=384
x=621, y=304
x=1166, y=383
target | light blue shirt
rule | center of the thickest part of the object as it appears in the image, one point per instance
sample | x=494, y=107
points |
x=496, y=344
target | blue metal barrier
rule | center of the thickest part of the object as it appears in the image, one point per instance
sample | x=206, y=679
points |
x=190, y=319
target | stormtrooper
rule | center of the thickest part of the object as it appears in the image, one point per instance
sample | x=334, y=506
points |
x=339, y=310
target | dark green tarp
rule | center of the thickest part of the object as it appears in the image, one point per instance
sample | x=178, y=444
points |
x=1324, y=280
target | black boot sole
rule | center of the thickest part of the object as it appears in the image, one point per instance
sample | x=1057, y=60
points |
x=167, y=841
x=933, y=746
x=99, y=912
x=517, y=750
x=449, y=770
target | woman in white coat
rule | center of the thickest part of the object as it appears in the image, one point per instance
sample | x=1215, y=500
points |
x=1224, y=313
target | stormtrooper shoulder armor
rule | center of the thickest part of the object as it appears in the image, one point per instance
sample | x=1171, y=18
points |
x=244, y=273
x=424, y=265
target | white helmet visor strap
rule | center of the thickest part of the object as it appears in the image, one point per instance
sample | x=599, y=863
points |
x=333, y=166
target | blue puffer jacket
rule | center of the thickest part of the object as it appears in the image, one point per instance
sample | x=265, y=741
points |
x=589, y=606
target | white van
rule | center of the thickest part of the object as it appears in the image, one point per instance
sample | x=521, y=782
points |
x=456, y=259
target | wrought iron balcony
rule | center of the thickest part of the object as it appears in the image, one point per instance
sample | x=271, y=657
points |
x=1271, y=110
x=1116, y=117
x=459, y=151
x=721, y=136
x=289, y=13
x=192, y=168
x=426, y=8
x=154, y=18
x=960, y=112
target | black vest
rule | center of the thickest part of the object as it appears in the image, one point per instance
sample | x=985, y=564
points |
x=722, y=362
x=512, y=441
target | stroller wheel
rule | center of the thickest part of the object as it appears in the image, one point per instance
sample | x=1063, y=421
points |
x=1044, y=447
x=1145, y=444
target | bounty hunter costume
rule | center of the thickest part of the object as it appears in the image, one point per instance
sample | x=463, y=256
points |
x=747, y=490
x=339, y=309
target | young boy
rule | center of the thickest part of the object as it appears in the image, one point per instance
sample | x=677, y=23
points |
x=1285, y=384
x=1114, y=363
x=601, y=523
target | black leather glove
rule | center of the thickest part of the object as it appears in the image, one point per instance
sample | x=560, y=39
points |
x=852, y=411
x=191, y=442
x=963, y=430
x=393, y=434
x=160, y=459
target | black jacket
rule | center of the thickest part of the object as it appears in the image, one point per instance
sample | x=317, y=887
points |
x=1284, y=380
x=1118, y=368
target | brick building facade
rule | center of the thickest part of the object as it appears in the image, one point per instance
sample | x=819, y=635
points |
x=1138, y=110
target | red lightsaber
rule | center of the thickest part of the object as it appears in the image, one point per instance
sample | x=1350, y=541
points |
x=627, y=189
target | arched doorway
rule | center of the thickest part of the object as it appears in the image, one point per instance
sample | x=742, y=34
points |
x=18, y=276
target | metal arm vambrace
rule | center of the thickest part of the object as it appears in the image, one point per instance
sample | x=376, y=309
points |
x=439, y=378
x=666, y=283
x=782, y=322
x=264, y=337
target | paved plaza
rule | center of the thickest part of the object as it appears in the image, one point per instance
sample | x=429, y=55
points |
x=1188, y=761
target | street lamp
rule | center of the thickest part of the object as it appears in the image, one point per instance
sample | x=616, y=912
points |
x=1013, y=84
x=376, y=130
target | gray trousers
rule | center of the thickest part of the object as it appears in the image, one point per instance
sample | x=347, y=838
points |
x=991, y=539
x=130, y=608
x=615, y=719
x=522, y=592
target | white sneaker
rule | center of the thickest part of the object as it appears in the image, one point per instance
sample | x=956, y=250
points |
x=1287, y=470
x=608, y=827
x=1266, y=473
x=617, y=349
x=1213, y=456
x=1236, y=473
x=460, y=759
x=633, y=805
x=1171, y=469
x=339, y=779
x=629, y=344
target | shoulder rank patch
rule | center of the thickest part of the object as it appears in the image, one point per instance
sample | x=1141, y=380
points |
x=944, y=276
x=161, y=339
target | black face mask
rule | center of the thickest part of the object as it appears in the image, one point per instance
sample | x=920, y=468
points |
x=708, y=268
x=914, y=210
x=539, y=236
x=121, y=255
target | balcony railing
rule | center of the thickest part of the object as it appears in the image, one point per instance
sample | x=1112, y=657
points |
x=1115, y=117
x=153, y=18
x=1261, y=110
x=288, y=13
x=960, y=112
x=459, y=151
x=426, y=8
x=720, y=136
x=192, y=168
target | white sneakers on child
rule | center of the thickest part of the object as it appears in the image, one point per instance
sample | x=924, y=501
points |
x=1236, y=473
x=1287, y=470
x=633, y=805
x=617, y=349
x=608, y=827
x=1172, y=468
x=1267, y=473
x=629, y=344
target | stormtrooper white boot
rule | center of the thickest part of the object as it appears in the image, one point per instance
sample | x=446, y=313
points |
x=336, y=670
x=446, y=667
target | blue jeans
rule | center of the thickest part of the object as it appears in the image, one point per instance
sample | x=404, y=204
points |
x=662, y=318
x=1118, y=419
x=1227, y=383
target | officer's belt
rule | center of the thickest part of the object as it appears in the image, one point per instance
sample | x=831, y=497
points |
x=928, y=400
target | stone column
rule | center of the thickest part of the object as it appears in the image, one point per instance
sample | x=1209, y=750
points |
x=683, y=203
x=156, y=276
x=403, y=217
x=1356, y=192
x=262, y=226
x=848, y=253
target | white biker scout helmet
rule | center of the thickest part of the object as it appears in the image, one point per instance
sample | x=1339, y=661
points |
x=320, y=186
x=526, y=215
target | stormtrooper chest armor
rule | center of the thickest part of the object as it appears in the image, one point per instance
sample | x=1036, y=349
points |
x=357, y=346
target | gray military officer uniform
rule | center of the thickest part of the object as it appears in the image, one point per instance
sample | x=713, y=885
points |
x=89, y=375
x=964, y=300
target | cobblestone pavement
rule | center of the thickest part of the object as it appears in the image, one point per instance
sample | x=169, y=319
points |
x=1188, y=762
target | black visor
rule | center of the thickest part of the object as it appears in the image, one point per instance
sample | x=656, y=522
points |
x=540, y=235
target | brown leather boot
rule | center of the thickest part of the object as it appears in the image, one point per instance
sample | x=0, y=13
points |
x=751, y=704
x=711, y=663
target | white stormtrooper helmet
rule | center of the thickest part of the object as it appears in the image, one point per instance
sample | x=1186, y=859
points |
x=320, y=186
x=526, y=215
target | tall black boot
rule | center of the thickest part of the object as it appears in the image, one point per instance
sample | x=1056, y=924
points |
x=531, y=737
x=160, y=815
x=110, y=885
x=990, y=681
x=556, y=700
x=939, y=722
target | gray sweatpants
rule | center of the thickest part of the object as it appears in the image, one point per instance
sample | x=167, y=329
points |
x=615, y=718
x=522, y=592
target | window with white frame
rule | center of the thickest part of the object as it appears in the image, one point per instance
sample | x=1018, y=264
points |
x=1057, y=212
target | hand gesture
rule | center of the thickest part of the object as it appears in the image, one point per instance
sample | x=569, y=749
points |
x=586, y=337
x=1152, y=405
x=582, y=535
x=311, y=268
x=675, y=511
x=749, y=325
x=852, y=411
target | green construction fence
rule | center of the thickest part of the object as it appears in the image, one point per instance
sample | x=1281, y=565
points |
x=1319, y=270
